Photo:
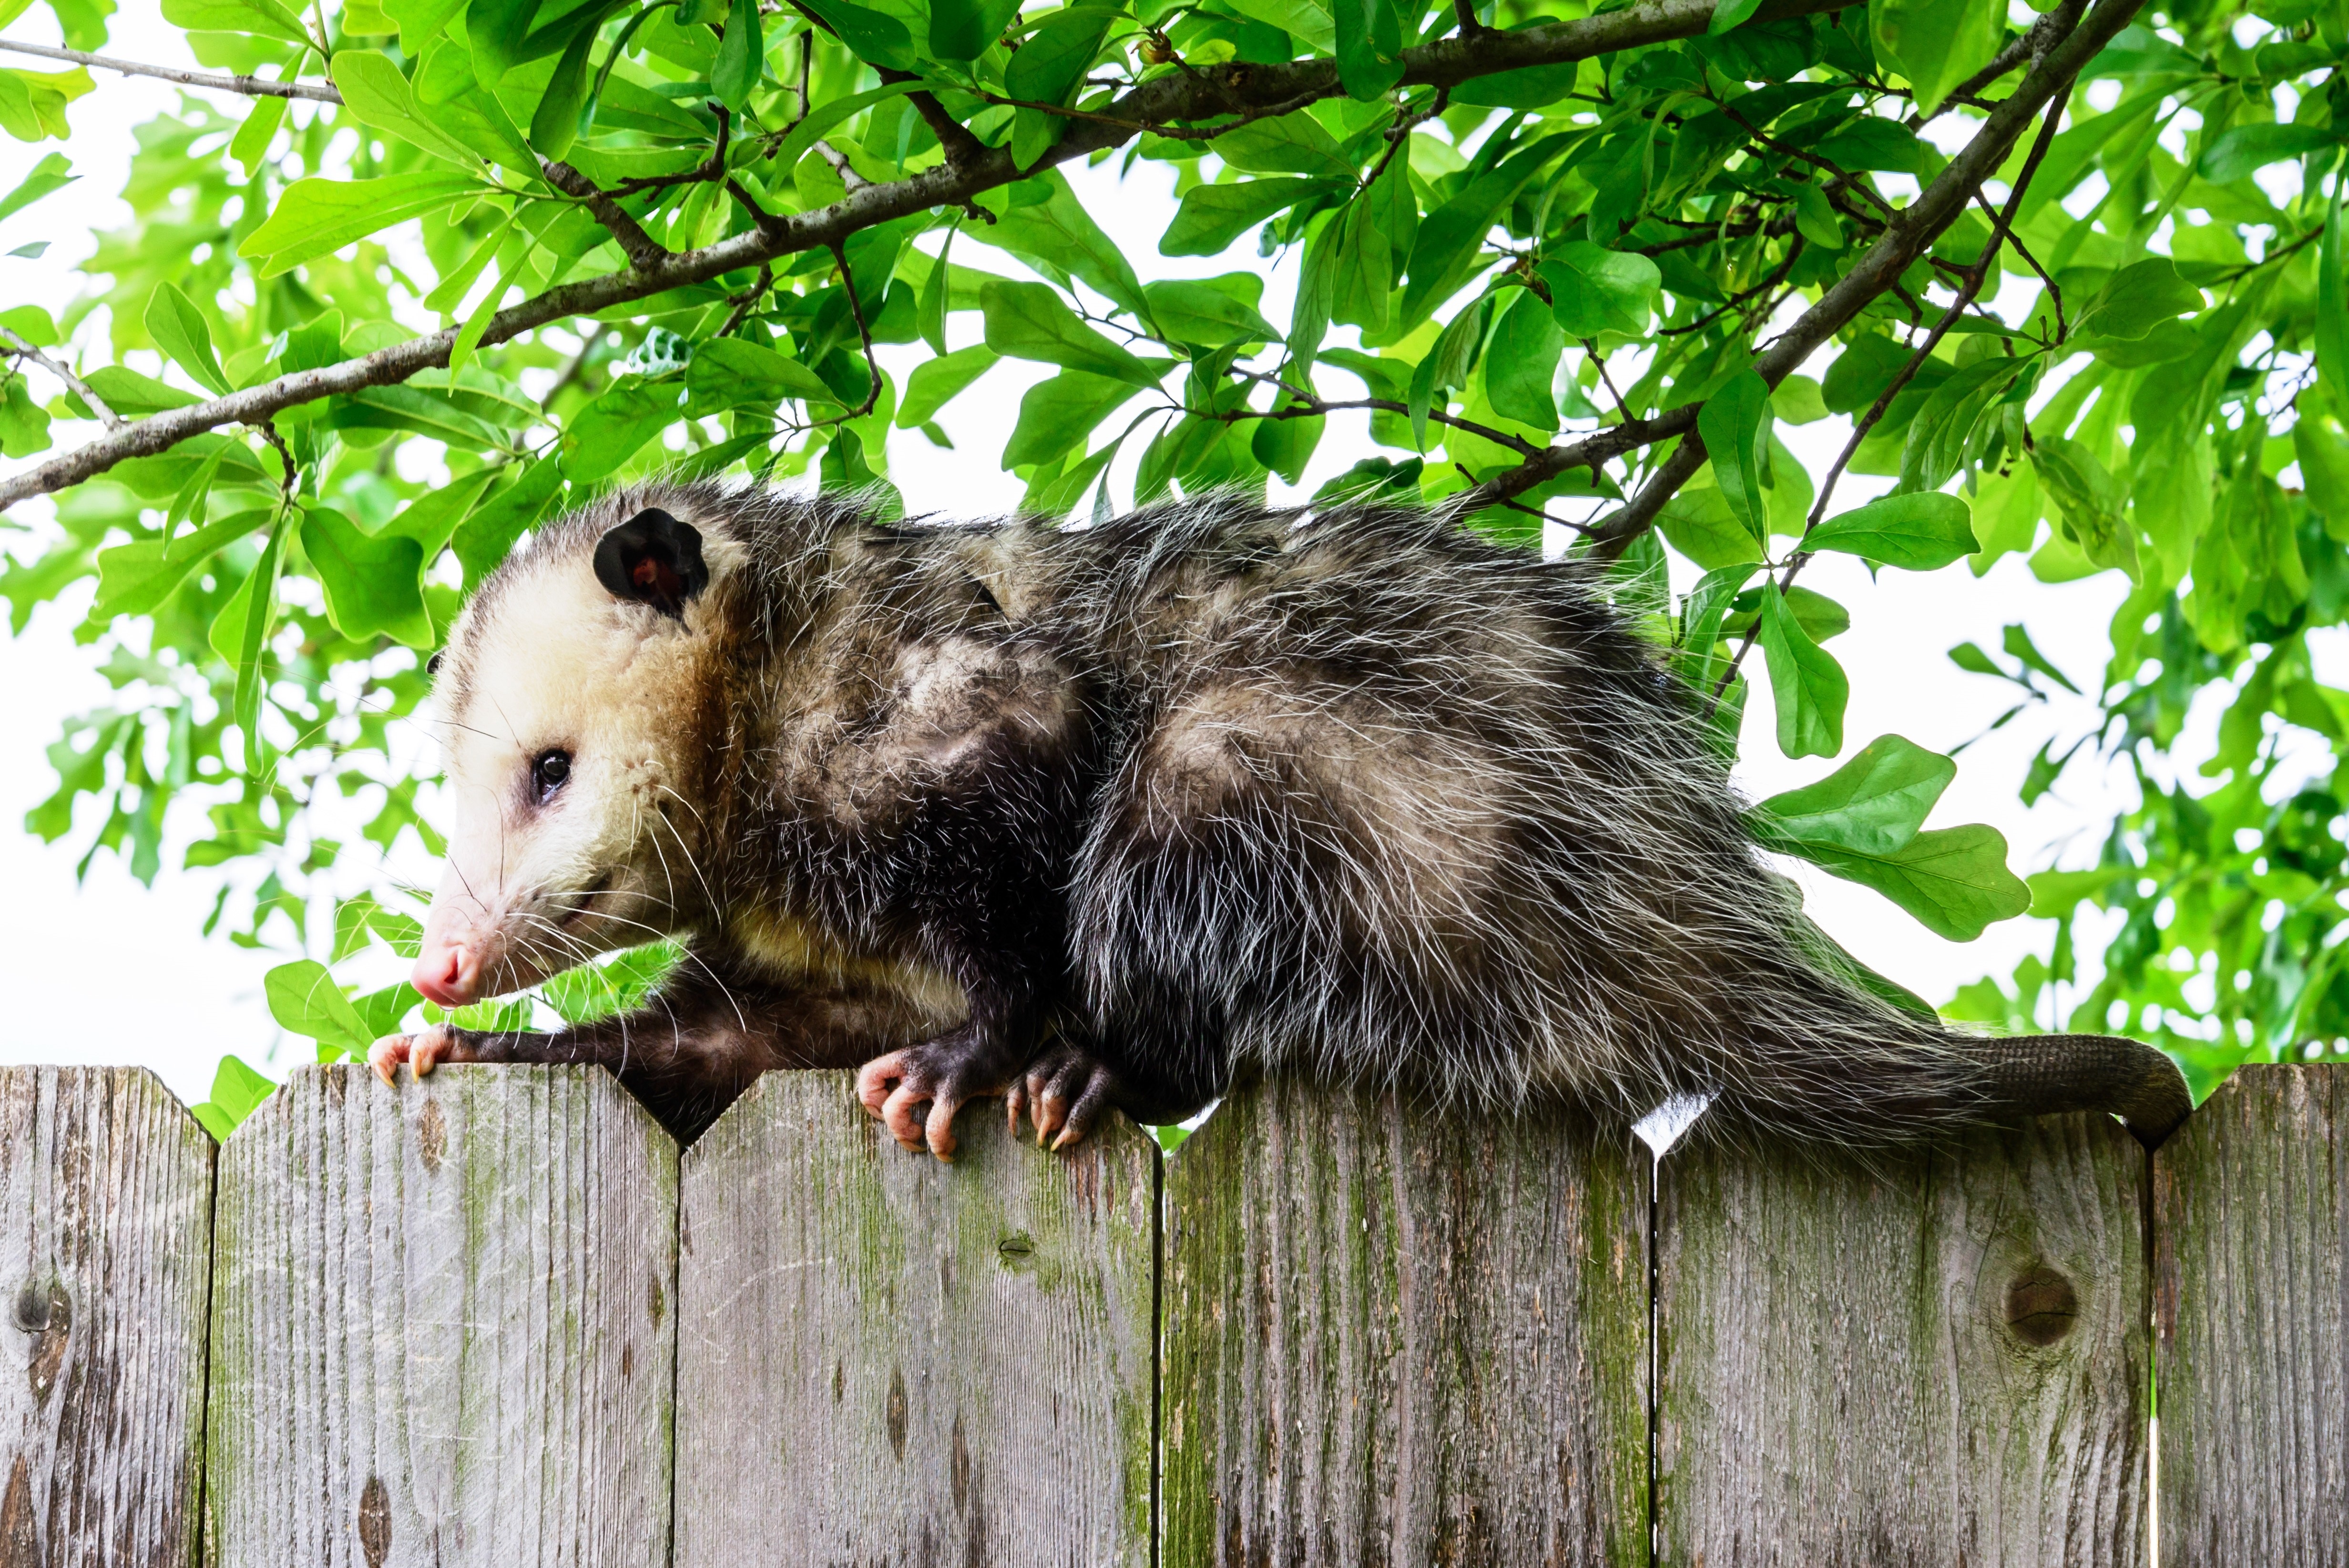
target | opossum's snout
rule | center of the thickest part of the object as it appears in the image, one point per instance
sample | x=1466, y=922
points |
x=448, y=972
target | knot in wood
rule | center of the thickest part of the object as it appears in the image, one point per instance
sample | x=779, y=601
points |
x=2041, y=1307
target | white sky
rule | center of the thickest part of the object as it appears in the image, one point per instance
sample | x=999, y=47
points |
x=111, y=972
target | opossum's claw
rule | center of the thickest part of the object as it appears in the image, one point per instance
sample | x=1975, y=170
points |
x=1064, y=1091
x=944, y=1075
x=422, y=1052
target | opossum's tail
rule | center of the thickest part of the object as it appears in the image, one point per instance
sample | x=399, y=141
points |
x=2041, y=1075
x=1936, y=1082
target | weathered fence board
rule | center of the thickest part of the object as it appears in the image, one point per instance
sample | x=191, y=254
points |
x=1398, y=1336
x=443, y=1323
x=2251, y=1290
x=1923, y=1358
x=884, y=1360
x=105, y=1261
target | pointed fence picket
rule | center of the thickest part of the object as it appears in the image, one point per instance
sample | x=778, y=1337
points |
x=494, y=1318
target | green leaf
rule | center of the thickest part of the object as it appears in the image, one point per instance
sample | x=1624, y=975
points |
x=1446, y=365
x=1204, y=316
x=729, y=373
x=1047, y=70
x=48, y=176
x=607, y=432
x=874, y=36
x=1808, y=686
x=240, y=632
x=1286, y=446
x=1729, y=14
x=485, y=537
x=132, y=395
x=739, y=56
x=371, y=582
x=1212, y=216
x=317, y=217
x=1521, y=361
x=1936, y=44
x=1594, y=290
x=555, y=124
x=260, y=18
x=379, y=96
x=133, y=579
x=237, y=1092
x=2244, y=149
x=1920, y=532
x=1060, y=414
x=2332, y=307
x=936, y=382
x=1031, y=321
x=1061, y=240
x=1284, y=144
x=180, y=330
x=306, y=1001
x=1736, y=424
x=962, y=29
x=2018, y=644
x=1370, y=47
x=937, y=297
x=1954, y=881
x=1700, y=524
x=2139, y=298
x=1872, y=805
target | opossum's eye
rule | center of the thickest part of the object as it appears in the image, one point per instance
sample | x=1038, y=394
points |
x=548, y=769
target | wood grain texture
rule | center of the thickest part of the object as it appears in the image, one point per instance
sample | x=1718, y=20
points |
x=443, y=1325
x=2251, y=1289
x=1398, y=1336
x=885, y=1359
x=1932, y=1357
x=105, y=1263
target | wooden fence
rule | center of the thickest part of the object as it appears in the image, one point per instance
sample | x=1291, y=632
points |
x=495, y=1318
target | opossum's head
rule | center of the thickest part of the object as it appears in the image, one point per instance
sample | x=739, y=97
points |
x=573, y=705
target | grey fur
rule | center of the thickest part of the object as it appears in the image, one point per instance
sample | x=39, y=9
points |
x=1213, y=788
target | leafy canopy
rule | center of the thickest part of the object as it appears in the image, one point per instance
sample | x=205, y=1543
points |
x=2077, y=277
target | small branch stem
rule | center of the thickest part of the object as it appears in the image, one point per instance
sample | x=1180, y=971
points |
x=219, y=81
x=24, y=350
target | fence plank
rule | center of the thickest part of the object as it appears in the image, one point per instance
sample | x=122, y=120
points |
x=105, y=1262
x=2251, y=1289
x=441, y=1324
x=885, y=1359
x=1398, y=1336
x=1934, y=1358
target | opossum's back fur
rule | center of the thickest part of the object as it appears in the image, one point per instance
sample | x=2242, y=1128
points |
x=1357, y=792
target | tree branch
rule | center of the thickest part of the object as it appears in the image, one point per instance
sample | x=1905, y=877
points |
x=24, y=350
x=1161, y=101
x=221, y=81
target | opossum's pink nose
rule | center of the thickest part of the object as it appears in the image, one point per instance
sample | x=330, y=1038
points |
x=448, y=976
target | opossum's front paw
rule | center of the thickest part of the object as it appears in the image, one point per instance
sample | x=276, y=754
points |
x=1064, y=1091
x=941, y=1074
x=422, y=1051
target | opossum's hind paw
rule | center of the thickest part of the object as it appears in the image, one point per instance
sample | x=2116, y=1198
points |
x=944, y=1074
x=1064, y=1091
x=422, y=1051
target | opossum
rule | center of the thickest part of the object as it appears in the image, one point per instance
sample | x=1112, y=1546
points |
x=1102, y=815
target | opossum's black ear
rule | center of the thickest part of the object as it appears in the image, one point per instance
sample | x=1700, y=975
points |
x=653, y=559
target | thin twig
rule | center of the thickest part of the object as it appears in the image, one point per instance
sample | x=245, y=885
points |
x=1306, y=405
x=24, y=350
x=747, y=300
x=850, y=179
x=863, y=334
x=220, y=81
